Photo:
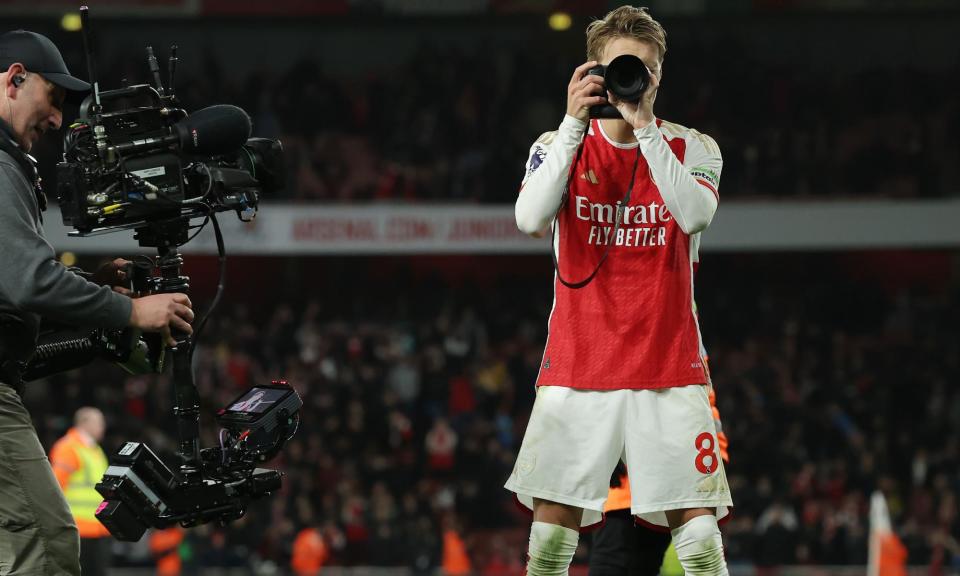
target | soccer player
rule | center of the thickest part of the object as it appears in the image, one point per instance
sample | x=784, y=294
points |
x=622, y=375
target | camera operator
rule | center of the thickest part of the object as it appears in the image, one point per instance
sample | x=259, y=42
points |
x=37, y=532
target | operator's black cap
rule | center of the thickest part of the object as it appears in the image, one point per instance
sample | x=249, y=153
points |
x=38, y=54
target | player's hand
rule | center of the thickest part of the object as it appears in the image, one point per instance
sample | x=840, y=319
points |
x=162, y=313
x=585, y=90
x=638, y=114
x=113, y=274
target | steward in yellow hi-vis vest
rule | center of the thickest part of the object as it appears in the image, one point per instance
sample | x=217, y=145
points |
x=79, y=463
x=78, y=467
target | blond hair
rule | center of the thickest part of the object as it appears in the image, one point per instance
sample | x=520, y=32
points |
x=625, y=22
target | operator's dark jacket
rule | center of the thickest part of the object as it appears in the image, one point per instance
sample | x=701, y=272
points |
x=33, y=282
x=37, y=531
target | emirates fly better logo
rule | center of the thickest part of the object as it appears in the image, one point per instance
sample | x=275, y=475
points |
x=641, y=225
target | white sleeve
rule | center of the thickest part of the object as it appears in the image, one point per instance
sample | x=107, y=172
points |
x=547, y=170
x=689, y=190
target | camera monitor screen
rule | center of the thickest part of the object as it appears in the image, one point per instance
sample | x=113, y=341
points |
x=258, y=400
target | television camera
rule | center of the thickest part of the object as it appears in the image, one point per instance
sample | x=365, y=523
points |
x=135, y=160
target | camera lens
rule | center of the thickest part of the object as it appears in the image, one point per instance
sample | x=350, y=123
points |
x=627, y=77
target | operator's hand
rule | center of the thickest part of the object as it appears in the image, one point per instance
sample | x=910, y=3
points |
x=585, y=90
x=113, y=274
x=161, y=313
x=638, y=114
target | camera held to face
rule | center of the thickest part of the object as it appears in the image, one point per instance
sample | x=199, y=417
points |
x=626, y=77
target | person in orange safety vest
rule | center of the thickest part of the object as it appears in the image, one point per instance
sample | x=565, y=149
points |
x=309, y=552
x=78, y=464
x=165, y=547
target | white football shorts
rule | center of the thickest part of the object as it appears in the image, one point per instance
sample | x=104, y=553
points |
x=666, y=438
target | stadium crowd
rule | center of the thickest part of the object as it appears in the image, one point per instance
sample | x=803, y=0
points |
x=463, y=135
x=462, y=131
x=415, y=401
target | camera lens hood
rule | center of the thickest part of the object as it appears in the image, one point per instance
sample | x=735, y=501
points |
x=627, y=77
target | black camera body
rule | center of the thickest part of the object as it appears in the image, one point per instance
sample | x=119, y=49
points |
x=135, y=157
x=626, y=77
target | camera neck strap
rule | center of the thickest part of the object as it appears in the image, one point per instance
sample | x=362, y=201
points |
x=616, y=227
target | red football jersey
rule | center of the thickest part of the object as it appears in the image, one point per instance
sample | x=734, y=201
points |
x=634, y=325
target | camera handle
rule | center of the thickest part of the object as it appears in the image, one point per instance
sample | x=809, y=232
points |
x=166, y=237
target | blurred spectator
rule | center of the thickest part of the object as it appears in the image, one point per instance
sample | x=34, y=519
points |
x=79, y=463
x=456, y=562
x=165, y=546
x=441, y=442
x=776, y=532
x=309, y=552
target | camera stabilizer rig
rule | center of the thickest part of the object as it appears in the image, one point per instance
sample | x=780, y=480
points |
x=136, y=160
x=212, y=484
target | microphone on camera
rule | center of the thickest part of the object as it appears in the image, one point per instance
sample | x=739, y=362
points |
x=218, y=129
x=214, y=130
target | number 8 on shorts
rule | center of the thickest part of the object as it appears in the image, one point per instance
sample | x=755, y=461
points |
x=706, y=456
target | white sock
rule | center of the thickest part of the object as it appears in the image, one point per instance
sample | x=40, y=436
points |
x=699, y=547
x=551, y=549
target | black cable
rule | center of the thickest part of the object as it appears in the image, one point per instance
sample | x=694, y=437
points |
x=143, y=258
x=199, y=229
x=616, y=227
x=222, y=255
